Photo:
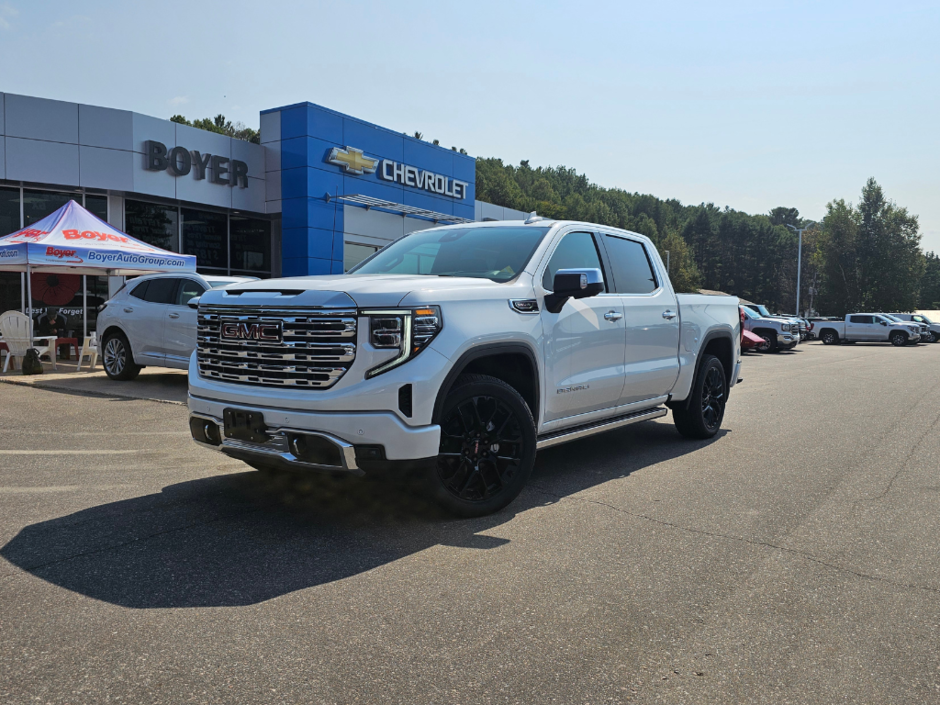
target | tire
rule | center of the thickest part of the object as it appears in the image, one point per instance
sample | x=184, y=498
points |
x=829, y=337
x=932, y=337
x=701, y=418
x=487, y=448
x=898, y=339
x=117, y=358
x=770, y=341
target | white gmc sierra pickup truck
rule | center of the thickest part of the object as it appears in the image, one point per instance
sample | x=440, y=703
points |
x=458, y=352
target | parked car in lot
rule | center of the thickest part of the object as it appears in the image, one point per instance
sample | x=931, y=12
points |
x=933, y=329
x=147, y=322
x=762, y=311
x=456, y=353
x=777, y=333
x=867, y=327
x=922, y=328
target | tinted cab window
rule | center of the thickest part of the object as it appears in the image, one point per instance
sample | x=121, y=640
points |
x=575, y=251
x=161, y=291
x=632, y=270
x=861, y=319
x=140, y=291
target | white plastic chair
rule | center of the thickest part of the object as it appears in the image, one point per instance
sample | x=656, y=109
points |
x=14, y=327
x=89, y=350
x=48, y=349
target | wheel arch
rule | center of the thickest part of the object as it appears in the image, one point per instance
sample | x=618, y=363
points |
x=516, y=364
x=114, y=328
x=719, y=343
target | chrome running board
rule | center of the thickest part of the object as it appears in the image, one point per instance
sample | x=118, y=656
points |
x=572, y=434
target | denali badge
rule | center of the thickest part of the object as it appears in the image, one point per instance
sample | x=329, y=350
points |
x=267, y=332
x=576, y=388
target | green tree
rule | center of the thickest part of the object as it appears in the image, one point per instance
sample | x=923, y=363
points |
x=682, y=270
x=221, y=126
x=869, y=256
x=930, y=283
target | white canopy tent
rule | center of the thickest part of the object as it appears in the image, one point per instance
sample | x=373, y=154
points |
x=74, y=241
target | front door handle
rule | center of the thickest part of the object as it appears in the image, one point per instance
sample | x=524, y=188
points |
x=613, y=316
x=128, y=310
x=669, y=314
x=174, y=315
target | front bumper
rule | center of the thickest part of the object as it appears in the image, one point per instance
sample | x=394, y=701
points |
x=787, y=339
x=352, y=433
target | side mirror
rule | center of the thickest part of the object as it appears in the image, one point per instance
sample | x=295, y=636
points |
x=193, y=302
x=574, y=284
x=884, y=323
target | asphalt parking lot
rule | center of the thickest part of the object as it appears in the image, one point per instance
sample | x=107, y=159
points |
x=793, y=559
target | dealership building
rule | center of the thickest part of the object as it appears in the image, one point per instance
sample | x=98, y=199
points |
x=320, y=193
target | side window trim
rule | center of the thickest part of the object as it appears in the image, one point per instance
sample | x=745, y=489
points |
x=142, y=287
x=601, y=256
x=179, y=289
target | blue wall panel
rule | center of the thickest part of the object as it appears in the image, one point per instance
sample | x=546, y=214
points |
x=312, y=228
x=374, y=141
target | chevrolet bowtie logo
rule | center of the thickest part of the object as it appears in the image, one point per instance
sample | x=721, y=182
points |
x=352, y=160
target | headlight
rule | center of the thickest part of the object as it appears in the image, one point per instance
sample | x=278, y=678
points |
x=785, y=327
x=407, y=330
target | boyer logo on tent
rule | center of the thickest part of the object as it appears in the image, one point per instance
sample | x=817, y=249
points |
x=67, y=256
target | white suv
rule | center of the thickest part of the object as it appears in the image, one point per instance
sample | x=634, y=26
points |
x=147, y=322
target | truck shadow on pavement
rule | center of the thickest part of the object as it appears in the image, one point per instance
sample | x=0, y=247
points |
x=244, y=538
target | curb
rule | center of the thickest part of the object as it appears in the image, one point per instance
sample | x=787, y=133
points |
x=52, y=387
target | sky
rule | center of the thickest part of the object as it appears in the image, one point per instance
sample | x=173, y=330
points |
x=749, y=105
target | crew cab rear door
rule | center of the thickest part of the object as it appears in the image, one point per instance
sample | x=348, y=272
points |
x=651, y=316
x=862, y=327
x=583, y=343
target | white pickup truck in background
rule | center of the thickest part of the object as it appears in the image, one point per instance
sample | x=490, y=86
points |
x=456, y=353
x=867, y=327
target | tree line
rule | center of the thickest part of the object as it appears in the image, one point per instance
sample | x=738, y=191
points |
x=864, y=257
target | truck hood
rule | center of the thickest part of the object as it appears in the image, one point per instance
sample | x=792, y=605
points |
x=368, y=290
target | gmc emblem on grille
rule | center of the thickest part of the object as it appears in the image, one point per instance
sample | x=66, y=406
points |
x=269, y=332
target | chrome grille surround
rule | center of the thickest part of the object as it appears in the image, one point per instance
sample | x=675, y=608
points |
x=318, y=346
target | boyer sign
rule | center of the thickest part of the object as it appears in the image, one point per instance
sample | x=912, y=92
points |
x=180, y=161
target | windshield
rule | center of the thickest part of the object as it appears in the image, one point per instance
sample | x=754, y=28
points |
x=763, y=311
x=749, y=313
x=922, y=319
x=497, y=253
x=224, y=282
x=891, y=318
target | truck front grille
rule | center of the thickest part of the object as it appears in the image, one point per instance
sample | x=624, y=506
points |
x=316, y=348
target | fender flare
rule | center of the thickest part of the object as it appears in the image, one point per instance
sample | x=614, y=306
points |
x=709, y=337
x=486, y=350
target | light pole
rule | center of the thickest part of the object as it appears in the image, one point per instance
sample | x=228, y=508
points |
x=799, y=259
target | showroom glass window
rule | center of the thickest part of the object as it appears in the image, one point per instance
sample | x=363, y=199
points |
x=9, y=210
x=10, y=282
x=97, y=205
x=155, y=224
x=205, y=234
x=38, y=204
x=251, y=246
x=353, y=254
x=633, y=273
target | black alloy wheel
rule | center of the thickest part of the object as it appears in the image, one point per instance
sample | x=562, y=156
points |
x=931, y=337
x=829, y=338
x=487, y=447
x=117, y=359
x=898, y=339
x=701, y=418
x=770, y=341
